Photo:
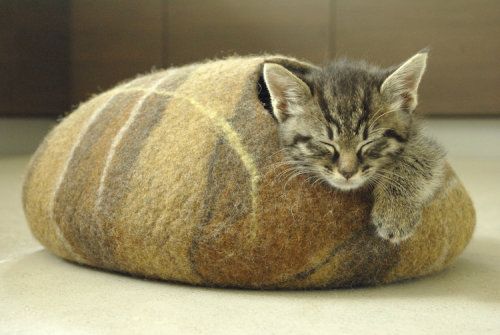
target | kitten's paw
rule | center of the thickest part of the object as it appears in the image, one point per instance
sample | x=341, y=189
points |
x=393, y=234
x=395, y=229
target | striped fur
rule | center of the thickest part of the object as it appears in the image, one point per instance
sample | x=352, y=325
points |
x=177, y=175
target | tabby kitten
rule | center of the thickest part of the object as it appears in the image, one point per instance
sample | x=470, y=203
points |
x=352, y=125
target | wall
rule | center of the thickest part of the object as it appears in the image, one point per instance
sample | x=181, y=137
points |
x=59, y=53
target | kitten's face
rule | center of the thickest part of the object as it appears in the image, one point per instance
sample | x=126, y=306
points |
x=345, y=153
x=342, y=123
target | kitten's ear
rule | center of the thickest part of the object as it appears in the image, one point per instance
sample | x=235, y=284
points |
x=401, y=86
x=288, y=93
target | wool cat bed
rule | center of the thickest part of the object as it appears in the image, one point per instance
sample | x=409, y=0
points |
x=175, y=175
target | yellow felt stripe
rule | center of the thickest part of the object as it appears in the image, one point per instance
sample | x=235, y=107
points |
x=232, y=137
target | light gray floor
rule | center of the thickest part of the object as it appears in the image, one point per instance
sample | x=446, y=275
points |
x=41, y=294
x=21, y=136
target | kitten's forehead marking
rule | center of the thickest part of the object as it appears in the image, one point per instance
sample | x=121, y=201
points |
x=345, y=100
x=363, y=118
x=330, y=119
x=329, y=131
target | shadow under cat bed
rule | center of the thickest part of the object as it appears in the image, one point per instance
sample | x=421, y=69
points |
x=182, y=175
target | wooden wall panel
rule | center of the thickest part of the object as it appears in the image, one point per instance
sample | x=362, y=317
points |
x=58, y=53
x=112, y=41
x=216, y=28
x=34, y=57
x=463, y=75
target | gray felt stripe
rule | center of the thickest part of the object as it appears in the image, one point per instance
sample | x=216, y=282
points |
x=303, y=275
x=239, y=198
x=127, y=153
x=76, y=193
x=217, y=200
x=206, y=216
x=378, y=258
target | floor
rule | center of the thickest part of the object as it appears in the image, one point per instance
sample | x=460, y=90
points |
x=42, y=294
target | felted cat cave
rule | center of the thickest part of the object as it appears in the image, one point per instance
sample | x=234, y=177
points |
x=176, y=175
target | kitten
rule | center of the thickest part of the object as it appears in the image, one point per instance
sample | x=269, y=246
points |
x=352, y=125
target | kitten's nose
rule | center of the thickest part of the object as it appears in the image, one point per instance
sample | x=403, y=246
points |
x=348, y=173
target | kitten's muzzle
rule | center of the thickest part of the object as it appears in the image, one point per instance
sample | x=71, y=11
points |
x=348, y=173
x=348, y=165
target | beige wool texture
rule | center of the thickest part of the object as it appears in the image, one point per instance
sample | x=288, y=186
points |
x=175, y=175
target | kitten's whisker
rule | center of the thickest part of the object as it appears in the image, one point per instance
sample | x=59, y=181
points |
x=371, y=183
x=281, y=163
x=392, y=188
x=295, y=175
x=292, y=168
x=393, y=183
x=284, y=174
x=277, y=152
x=393, y=173
x=318, y=179
x=384, y=189
x=288, y=169
x=292, y=163
x=312, y=177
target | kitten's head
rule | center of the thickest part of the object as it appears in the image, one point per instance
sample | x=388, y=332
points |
x=346, y=122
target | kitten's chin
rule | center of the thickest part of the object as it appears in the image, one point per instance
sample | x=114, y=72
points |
x=346, y=185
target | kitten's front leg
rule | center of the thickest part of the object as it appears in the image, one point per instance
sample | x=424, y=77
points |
x=395, y=217
x=402, y=191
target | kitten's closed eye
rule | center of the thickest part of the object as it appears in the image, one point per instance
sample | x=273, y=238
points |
x=391, y=133
x=329, y=145
x=363, y=145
